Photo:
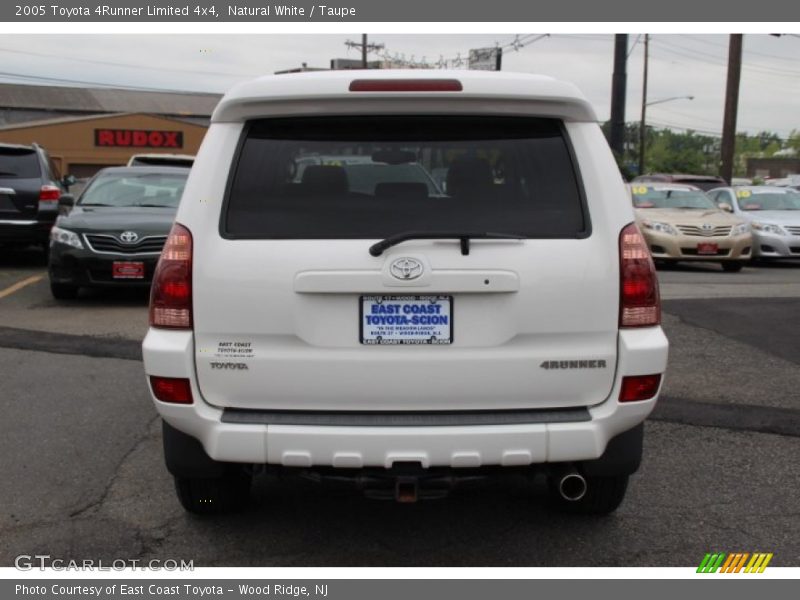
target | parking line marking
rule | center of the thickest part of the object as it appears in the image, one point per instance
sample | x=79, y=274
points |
x=19, y=285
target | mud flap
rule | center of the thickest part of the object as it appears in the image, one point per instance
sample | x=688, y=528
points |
x=623, y=455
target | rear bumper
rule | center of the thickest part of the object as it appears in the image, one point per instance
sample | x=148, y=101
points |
x=171, y=354
x=33, y=231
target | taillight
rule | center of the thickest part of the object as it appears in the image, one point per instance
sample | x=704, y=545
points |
x=640, y=304
x=171, y=294
x=406, y=85
x=639, y=387
x=171, y=389
x=48, y=196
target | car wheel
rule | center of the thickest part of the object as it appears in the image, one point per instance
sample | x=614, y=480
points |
x=732, y=267
x=214, y=495
x=63, y=291
x=603, y=496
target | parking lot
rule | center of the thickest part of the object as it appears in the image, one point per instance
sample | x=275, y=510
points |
x=84, y=478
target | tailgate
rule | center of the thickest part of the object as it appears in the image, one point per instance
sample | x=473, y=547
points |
x=287, y=334
x=284, y=281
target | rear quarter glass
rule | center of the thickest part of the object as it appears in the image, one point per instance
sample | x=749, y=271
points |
x=366, y=177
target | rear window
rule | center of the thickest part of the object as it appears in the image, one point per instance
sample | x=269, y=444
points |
x=372, y=177
x=20, y=163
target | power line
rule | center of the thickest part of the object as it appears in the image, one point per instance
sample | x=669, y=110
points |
x=518, y=43
x=59, y=80
x=671, y=46
x=753, y=52
x=118, y=64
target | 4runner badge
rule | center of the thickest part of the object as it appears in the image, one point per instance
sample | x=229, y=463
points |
x=573, y=364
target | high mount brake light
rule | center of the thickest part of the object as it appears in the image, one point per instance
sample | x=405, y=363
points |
x=640, y=304
x=406, y=85
x=171, y=294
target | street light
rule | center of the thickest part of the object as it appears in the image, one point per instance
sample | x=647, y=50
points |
x=670, y=99
x=642, y=124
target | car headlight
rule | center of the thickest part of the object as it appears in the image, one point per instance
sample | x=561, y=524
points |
x=769, y=228
x=65, y=236
x=660, y=227
x=740, y=229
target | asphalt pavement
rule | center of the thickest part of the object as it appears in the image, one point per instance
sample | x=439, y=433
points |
x=83, y=474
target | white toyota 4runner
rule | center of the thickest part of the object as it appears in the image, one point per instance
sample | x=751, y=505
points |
x=403, y=278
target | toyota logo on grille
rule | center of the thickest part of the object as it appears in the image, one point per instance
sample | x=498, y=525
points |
x=406, y=268
x=707, y=227
x=129, y=237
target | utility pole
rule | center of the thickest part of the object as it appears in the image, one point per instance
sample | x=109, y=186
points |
x=731, y=106
x=365, y=48
x=618, y=85
x=643, y=122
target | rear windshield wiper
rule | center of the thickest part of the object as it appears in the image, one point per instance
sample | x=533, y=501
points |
x=94, y=204
x=464, y=236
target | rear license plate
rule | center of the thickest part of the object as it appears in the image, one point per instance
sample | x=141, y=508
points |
x=707, y=248
x=127, y=270
x=392, y=320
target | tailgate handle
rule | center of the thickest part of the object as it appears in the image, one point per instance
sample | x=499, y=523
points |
x=374, y=282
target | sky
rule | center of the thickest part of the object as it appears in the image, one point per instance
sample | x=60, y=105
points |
x=680, y=66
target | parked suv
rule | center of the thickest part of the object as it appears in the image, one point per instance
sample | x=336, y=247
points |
x=30, y=186
x=398, y=338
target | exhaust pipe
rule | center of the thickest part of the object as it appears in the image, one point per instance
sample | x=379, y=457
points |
x=572, y=485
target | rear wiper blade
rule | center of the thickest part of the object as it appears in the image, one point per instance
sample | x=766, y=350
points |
x=94, y=204
x=378, y=248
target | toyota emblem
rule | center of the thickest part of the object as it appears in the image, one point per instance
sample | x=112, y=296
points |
x=129, y=237
x=406, y=268
x=707, y=227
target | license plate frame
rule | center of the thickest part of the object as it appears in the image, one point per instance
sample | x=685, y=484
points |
x=127, y=269
x=707, y=248
x=367, y=331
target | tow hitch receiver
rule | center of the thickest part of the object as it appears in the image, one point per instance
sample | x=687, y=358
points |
x=405, y=490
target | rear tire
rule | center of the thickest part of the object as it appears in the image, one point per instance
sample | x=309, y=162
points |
x=214, y=495
x=63, y=291
x=732, y=267
x=603, y=496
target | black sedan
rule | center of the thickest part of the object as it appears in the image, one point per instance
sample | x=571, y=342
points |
x=114, y=233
